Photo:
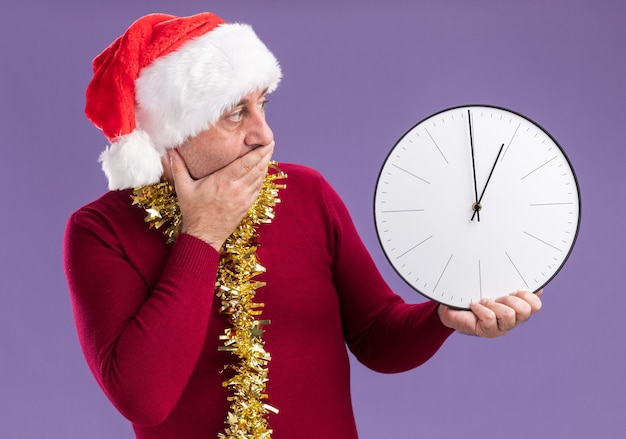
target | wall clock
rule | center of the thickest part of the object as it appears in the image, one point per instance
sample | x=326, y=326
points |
x=476, y=201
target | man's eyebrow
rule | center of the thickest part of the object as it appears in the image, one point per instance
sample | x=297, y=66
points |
x=244, y=101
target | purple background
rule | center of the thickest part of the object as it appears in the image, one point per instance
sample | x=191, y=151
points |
x=357, y=75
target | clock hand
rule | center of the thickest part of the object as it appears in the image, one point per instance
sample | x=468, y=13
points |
x=486, y=184
x=475, y=206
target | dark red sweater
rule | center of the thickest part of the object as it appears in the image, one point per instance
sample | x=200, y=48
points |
x=147, y=318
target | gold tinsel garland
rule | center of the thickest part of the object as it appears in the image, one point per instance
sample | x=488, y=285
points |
x=236, y=288
x=160, y=203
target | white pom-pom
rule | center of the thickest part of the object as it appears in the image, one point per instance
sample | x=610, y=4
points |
x=131, y=161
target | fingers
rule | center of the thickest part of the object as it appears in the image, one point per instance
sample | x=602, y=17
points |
x=499, y=316
x=519, y=308
x=214, y=205
x=459, y=320
x=245, y=175
x=250, y=165
x=494, y=319
x=526, y=299
x=538, y=293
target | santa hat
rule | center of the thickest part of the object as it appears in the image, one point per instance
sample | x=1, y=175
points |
x=167, y=79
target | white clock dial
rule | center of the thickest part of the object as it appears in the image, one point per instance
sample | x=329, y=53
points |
x=476, y=201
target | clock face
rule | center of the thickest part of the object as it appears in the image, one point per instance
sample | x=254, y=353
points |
x=474, y=202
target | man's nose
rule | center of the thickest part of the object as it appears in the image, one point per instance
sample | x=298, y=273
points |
x=258, y=131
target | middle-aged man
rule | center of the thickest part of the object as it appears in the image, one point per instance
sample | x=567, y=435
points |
x=235, y=321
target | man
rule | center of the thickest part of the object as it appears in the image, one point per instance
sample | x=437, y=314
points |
x=235, y=321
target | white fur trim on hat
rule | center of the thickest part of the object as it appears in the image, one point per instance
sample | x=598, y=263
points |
x=183, y=93
x=132, y=161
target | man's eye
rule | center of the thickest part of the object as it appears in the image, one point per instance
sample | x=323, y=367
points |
x=236, y=116
x=262, y=104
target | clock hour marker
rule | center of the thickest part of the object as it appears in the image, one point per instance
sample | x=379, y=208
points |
x=414, y=247
x=411, y=174
x=538, y=168
x=550, y=204
x=437, y=146
x=515, y=266
x=442, y=273
x=511, y=141
x=402, y=211
x=542, y=241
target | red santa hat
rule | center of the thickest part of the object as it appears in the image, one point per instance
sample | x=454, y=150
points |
x=167, y=79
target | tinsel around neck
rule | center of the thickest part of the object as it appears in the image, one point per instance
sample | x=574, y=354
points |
x=236, y=289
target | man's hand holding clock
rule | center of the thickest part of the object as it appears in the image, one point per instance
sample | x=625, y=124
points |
x=492, y=318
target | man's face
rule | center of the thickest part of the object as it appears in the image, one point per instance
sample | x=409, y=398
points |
x=238, y=131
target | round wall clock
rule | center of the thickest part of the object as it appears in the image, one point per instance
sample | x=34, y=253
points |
x=476, y=201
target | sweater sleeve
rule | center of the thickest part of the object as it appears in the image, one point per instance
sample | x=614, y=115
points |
x=382, y=331
x=141, y=341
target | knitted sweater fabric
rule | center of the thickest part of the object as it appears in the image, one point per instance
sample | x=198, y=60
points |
x=148, y=321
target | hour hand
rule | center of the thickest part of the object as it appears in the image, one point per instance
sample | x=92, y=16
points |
x=478, y=206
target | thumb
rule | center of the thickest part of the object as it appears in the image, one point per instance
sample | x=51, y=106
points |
x=178, y=168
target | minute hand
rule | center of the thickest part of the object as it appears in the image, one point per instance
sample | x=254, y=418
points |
x=486, y=184
x=476, y=205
